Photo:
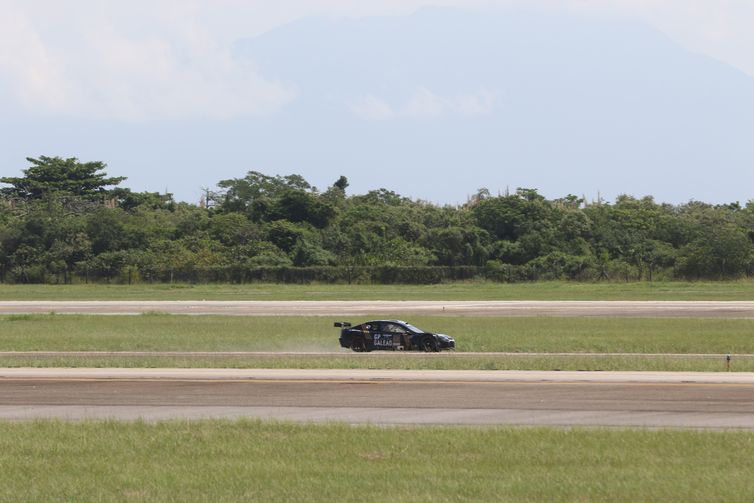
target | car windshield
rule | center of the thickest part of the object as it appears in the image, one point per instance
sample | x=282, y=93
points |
x=414, y=329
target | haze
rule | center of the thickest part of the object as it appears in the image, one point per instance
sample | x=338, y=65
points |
x=431, y=99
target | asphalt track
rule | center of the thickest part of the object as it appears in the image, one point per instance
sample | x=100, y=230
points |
x=345, y=309
x=624, y=399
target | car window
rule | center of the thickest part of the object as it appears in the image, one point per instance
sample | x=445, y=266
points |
x=414, y=329
x=393, y=328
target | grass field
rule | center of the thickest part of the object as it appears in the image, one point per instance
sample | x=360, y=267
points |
x=556, y=290
x=258, y=461
x=155, y=332
x=712, y=363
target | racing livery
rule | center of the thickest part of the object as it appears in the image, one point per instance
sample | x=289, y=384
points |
x=391, y=335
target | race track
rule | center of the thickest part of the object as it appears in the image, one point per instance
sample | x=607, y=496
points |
x=636, y=399
x=344, y=309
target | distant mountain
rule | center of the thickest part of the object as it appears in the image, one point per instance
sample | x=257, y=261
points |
x=442, y=101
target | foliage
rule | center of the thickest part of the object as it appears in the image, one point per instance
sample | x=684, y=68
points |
x=54, y=175
x=59, y=224
x=304, y=288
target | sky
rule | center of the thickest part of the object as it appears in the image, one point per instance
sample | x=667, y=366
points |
x=179, y=94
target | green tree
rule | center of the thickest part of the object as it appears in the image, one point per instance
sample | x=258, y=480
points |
x=299, y=206
x=232, y=228
x=721, y=252
x=285, y=235
x=255, y=192
x=54, y=175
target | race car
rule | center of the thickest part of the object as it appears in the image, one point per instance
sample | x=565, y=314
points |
x=391, y=335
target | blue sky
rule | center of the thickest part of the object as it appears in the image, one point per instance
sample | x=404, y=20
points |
x=431, y=99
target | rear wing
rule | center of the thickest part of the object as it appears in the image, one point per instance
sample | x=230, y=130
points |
x=342, y=324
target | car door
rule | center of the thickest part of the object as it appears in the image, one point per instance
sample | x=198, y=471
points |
x=383, y=336
x=401, y=337
x=393, y=336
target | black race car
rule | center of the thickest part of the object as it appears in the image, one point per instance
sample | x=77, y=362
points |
x=391, y=335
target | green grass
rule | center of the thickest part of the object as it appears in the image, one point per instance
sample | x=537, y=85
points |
x=394, y=361
x=555, y=290
x=259, y=461
x=154, y=332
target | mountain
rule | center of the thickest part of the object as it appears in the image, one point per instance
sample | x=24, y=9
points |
x=442, y=101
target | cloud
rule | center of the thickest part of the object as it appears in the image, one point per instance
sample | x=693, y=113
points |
x=26, y=63
x=372, y=108
x=480, y=103
x=172, y=59
x=102, y=63
x=425, y=104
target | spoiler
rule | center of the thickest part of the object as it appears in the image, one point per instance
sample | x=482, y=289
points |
x=343, y=324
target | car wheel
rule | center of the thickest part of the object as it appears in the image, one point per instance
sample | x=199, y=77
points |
x=358, y=346
x=429, y=344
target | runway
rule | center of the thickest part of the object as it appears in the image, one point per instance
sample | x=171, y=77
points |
x=635, y=399
x=344, y=309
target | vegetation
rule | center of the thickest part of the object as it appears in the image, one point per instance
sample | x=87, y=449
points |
x=486, y=334
x=397, y=361
x=259, y=461
x=165, y=334
x=49, y=178
x=59, y=223
x=543, y=290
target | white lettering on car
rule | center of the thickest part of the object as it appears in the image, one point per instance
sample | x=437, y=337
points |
x=382, y=340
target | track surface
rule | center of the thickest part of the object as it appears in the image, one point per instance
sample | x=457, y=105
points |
x=342, y=309
x=642, y=399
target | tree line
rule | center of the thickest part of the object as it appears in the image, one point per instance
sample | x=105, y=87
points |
x=65, y=221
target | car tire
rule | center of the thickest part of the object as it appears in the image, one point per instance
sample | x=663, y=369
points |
x=429, y=344
x=358, y=346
